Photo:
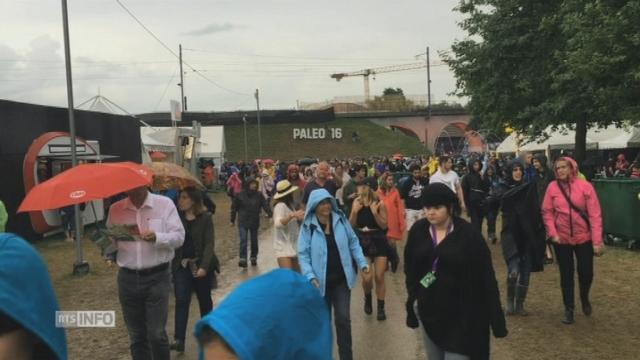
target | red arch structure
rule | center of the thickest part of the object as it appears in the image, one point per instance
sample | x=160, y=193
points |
x=29, y=171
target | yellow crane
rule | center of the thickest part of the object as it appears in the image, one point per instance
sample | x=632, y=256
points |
x=379, y=70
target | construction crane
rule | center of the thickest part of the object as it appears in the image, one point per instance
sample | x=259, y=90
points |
x=385, y=69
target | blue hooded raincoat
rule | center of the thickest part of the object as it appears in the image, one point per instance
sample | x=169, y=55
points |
x=312, y=244
x=26, y=293
x=279, y=315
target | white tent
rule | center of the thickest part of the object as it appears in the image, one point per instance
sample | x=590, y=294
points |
x=563, y=138
x=212, y=144
x=508, y=145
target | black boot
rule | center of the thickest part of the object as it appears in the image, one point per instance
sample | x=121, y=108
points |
x=511, y=295
x=368, y=306
x=567, y=298
x=381, y=315
x=394, y=259
x=177, y=346
x=521, y=296
x=568, y=316
x=584, y=299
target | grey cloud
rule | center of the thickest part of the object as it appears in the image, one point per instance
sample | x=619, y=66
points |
x=212, y=29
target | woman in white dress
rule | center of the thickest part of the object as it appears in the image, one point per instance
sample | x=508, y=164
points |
x=286, y=227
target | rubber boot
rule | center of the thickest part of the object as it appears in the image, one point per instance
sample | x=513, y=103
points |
x=368, y=306
x=567, y=297
x=511, y=294
x=568, y=316
x=584, y=299
x=381, y=315
x=521, y=296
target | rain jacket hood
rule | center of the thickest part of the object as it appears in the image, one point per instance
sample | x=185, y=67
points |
x=573, y=175
x=542, y=159
x=312, y=244
x=562, y=220
x=470, y=165
x=27, y=296
x=512, y=165
x=279, y=315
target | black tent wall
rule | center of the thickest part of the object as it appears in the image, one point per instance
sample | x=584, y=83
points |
x=21, y=124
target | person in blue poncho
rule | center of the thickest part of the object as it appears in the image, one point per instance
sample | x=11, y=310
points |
x=328, y=253
x=28, y=305
x=279, y=315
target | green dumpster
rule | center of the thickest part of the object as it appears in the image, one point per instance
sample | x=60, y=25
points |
x=620, y=203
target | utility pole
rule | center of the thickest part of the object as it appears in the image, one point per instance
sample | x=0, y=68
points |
x=182, y=98
x=428, y=84
x=80, y=267
x=258, y=115
x=244, y=121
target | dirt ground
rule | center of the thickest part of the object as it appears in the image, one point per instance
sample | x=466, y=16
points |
x=612, y=332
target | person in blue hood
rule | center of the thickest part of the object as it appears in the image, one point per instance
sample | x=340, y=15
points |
x=328, y=251
x=28, y=305
x=279, y=315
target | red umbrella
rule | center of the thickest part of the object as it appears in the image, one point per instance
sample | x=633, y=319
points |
x=85, y=183
x=268, y=161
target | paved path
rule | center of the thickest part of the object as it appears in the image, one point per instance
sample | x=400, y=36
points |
x=372, y=339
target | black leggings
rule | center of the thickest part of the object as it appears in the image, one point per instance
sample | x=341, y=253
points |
x=584, y=257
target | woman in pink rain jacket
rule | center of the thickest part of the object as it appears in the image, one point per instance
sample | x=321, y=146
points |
x=571, y=213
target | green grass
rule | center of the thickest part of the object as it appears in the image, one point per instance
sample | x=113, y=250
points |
x=278, y=143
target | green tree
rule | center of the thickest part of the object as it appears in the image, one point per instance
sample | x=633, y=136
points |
x=391, y=100
x=534, y=64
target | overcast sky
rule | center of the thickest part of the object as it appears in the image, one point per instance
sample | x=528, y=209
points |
x=285, y=48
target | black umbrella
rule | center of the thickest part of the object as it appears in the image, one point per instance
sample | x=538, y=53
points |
x=307, y=161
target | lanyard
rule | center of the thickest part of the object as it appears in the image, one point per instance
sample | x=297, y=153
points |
x=434, y=239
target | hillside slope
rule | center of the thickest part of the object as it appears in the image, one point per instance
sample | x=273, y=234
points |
x=278, y=142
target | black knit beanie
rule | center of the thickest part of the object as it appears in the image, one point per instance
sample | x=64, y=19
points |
x=437, y=194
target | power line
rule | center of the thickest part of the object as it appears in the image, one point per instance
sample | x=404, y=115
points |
x=174, y=53
x=165, y=89
x=298, y=57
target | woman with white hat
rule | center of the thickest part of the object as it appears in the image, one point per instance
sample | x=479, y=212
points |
x=286, y=228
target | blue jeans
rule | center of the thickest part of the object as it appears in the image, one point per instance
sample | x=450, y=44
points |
x=244, y=232
x=339, y=297
x=184, y=284
x=520, y=268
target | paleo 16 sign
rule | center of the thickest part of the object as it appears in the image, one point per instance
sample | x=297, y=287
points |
x=317, y=133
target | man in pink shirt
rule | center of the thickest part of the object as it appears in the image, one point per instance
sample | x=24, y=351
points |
x=144, y=277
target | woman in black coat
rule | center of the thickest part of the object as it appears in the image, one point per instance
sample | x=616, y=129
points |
x=522, y=236
x=450, y=277
x=195, y=264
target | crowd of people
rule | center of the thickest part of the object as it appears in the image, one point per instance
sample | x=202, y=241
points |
x=345, y=222
x=360, y=208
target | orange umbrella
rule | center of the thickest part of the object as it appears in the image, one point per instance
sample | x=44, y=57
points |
x=171, y=176
x=85, y=183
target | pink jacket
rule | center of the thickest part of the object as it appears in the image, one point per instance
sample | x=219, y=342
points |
x=235, y=183
x=562, y=220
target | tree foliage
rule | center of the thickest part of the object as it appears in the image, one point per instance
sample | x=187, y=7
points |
x=391, y=100
x=539, y=63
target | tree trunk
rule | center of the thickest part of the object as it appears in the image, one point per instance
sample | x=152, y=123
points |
x=581, y=140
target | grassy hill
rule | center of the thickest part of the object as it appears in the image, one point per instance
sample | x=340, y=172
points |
x=278, y=142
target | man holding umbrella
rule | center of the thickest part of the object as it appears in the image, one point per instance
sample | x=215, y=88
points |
x=144, y=277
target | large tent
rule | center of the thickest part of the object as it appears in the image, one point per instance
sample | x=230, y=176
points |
x=211, y=144
x=563, y=138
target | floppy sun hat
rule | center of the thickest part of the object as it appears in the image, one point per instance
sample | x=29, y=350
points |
x=283, y=189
